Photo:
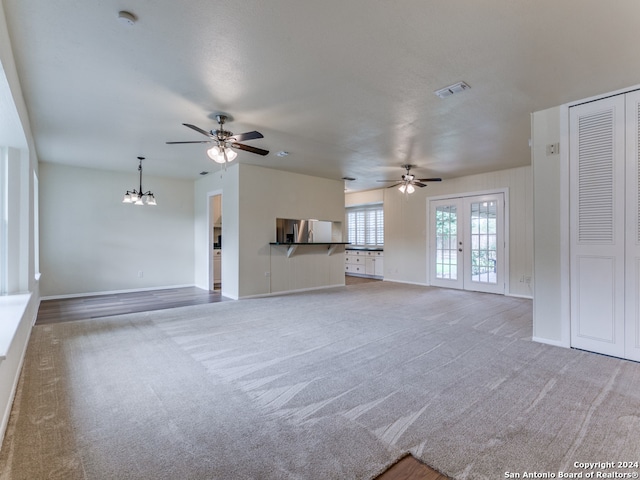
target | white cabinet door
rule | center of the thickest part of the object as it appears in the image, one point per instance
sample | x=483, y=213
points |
x=597, y=230
x=370, y=266
x=379, y=267
x=217, y=263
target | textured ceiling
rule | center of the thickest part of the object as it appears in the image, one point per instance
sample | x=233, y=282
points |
x=345, y=86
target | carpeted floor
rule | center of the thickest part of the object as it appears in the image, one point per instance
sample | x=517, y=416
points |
x=333, y=384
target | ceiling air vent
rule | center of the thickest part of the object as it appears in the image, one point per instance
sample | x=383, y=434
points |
x=451, y=89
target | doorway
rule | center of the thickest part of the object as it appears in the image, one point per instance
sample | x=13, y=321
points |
x=467, y=242
x=215, y=242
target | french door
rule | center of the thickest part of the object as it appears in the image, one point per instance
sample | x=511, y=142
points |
x=467, y=243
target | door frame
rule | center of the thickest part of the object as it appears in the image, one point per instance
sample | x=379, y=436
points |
x=210, y=239
x=429, y=230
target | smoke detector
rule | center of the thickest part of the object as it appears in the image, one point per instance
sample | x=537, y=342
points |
x=127, y=18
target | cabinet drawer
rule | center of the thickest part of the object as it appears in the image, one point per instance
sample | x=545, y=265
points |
x=354, y=268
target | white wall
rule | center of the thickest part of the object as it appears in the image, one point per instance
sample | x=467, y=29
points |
x=405, y=225
x=17, y=322
x=252, y=198
x=548, y=325
x=91, y=242
x=551, y=306
x=223, y=182
x=267, y=194
x=364, y=198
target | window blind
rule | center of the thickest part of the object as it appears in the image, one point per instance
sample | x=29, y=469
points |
x=365, y=226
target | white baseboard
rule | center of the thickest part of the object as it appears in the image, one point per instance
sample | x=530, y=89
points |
x=555, y=343
x=420, y=284
x=113, y=292
x=515, y=295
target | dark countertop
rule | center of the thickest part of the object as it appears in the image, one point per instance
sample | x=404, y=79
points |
x=309, y=243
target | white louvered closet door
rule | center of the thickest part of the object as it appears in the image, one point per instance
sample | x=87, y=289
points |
x=597, y=216
x=632, y=285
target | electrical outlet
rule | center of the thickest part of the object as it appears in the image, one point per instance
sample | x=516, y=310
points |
x=140, y=274
x=527, y=279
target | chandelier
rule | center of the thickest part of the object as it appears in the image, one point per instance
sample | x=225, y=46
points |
x=136, y=196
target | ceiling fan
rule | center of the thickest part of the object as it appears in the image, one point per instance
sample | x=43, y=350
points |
x=224, y=141
x=409, y=180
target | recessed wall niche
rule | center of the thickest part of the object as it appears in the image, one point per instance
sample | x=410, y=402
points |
x=289, y=230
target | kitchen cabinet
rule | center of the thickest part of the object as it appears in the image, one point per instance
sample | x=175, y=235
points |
x=366, y=263
x=217, y=270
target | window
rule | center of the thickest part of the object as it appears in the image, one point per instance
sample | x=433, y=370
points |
x=36, y=226
x=365, y=226
x=4, y=221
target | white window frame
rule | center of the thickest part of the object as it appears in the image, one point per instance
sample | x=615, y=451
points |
x=366, y=235
x=4, y=222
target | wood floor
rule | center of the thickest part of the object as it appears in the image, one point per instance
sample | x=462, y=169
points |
x=411, y=469
x=80, y=308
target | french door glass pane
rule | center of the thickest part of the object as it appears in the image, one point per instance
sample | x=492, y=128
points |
x=484, y=253
x=446, y=242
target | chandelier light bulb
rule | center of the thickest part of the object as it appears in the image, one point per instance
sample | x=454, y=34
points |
x=214, y=153
x=406, y=188
x=231, y=155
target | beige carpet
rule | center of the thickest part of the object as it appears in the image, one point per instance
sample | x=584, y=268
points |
x=326, y=385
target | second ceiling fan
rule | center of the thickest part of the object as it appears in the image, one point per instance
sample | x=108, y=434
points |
x=225, y=141
x=409, y=180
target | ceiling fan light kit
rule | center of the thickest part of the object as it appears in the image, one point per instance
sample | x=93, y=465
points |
x=136, y=197
x=225, y=142
x=409, y=182
x=221, y=154
x=407, y=188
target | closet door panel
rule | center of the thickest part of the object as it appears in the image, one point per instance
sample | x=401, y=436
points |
x=596, y=298
x=597, y=185
x=632, y=246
